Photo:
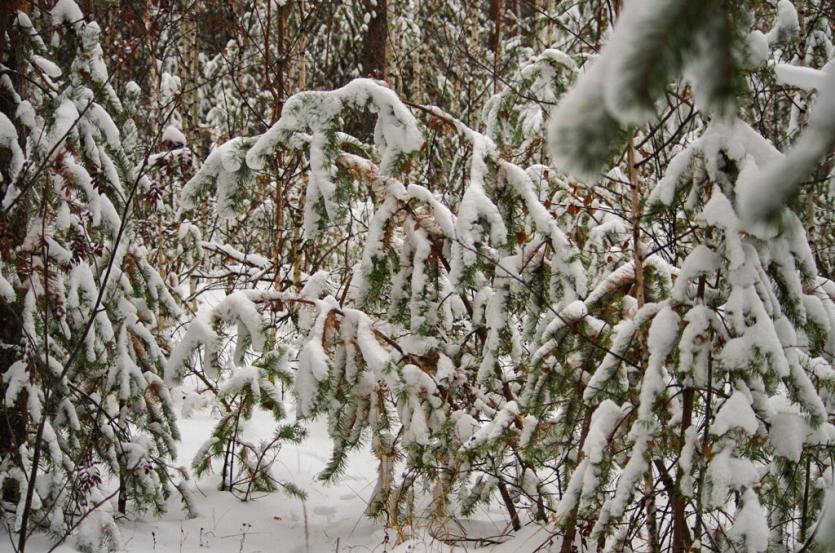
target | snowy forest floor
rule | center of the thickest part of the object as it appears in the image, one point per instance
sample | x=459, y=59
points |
x=275, y=522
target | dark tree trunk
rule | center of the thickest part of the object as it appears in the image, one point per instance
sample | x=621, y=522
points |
x=372, y=64
x=373, y=58
x=12, y=228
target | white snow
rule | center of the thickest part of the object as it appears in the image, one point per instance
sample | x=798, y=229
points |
x=787, y=434
x=727, y=472
x=750, y=524
x=583, y=105
x=331, y=514
x=454, y=353
x=7, y=293
x=805, y=78
x=604, y=420
x=766, y=192
x=218, y=173
x=786, y=23
x=758, y=49
x=736, y=412
x=8, y=140
x=313, y=363
x=67, y=11
x=174, y=136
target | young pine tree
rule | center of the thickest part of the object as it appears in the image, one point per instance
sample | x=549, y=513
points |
x=84, y=312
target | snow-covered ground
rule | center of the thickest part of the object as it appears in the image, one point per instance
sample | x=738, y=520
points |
x=334, y=513
x=331, y=519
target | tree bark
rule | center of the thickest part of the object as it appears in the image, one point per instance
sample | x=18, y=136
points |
x=189, y=47
x=12, y=230
x=635, y=186
x=496, y=10
x=373, y=58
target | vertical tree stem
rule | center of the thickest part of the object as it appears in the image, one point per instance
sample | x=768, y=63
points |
x=496, y=9
x=635, y=187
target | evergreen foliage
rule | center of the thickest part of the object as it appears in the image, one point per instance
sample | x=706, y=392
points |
x=83, y=401
x=585, y=276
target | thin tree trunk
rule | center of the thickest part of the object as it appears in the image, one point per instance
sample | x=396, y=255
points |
x=571, y=526
x=279, y=94
x=549, y=24
x=417, y=68
x=652, y=511
x=511, y=509
x=279, y=220
x=707, y=453
x=190, y=49
x=637, y=255
x=123, y=494
x=496, y=10
x=681, y=534
x=302, y=48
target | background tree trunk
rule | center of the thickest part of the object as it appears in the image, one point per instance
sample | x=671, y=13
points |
x=12, y=228
x=373, y=57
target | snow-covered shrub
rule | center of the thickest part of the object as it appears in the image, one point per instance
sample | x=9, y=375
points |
x=499, y=331
x=240, y=385
x=84, y=312
x=641, y=357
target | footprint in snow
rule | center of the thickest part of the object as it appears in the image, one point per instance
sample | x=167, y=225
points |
x=324, y=510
